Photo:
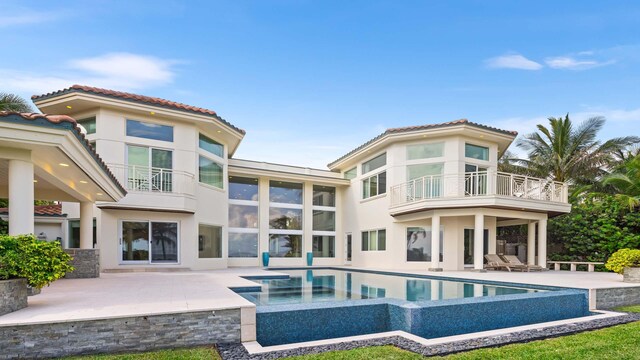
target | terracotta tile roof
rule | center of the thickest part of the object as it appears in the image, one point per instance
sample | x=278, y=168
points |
x=42, y=210
x=138, y=99
x=424, y=127
x=40, y=119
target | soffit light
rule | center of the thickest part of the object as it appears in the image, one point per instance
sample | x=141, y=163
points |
x=152, y=113
x=35, y=181
x=68, y=106
x=99, y=194
x=64, y=165
x=83, y=182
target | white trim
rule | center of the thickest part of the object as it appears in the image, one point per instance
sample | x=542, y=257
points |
x=149, y=243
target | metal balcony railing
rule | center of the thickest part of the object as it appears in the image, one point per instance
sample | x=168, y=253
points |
x=475, y=184
x=147, y=179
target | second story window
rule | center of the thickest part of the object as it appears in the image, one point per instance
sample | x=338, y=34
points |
x=351, y=173
x=210, y=172
x=476, y=152
x=375, y=163
x=88, y=124
x=149, y=130
x=211, y=146
x=425, y=151
x=374, y=185
x=149, y=169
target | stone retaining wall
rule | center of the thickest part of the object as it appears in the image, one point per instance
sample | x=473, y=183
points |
x=611, y=298
x=631, y=274
x=13, y=295
x=86, y=263
x=129, y=334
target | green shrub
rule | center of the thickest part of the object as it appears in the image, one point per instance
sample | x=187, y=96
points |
x=623, y=258
x=40, y=262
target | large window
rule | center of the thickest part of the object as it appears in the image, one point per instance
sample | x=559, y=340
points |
x=285, y=219
x=374, y=240
x=209, y=241
x=88, y=124
x=210, y=172
x=211, y=146
x=243, y=217
x=374, y=185
x=149, y=241
x=324, y=221
x=149, y=169
x=476, y=152
x=425, y=151
x=421, y=170
x=375, y=163
x=149, y=130
x=428, y=183
x=419, y=243
x=351, y=173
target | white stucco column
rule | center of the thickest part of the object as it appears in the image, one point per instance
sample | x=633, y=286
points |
x=20, y=197
x=435, y=243
x=478, y=243
x=86, y=225
x=542, y=243
x=531, y=243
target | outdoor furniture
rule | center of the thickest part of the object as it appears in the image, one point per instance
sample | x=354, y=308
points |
x=495, y=262
x=591, y=266
x=512, y=259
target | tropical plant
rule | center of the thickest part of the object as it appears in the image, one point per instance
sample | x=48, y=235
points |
x=12, y=102
x=626, y=182
x=40, y=262
x=568, y=153
x=623, y=258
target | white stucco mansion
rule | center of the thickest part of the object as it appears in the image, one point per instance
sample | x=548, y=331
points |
x=182, y=200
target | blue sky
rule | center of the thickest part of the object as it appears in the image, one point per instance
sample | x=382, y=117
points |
x=310, y=80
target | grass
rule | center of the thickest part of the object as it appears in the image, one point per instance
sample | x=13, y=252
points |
x=619, y=342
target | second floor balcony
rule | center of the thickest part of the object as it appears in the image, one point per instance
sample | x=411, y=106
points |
x=156, y=188
x=490, y=189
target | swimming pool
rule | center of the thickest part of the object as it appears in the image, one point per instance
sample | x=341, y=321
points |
x=298, y=305
x=308, y=286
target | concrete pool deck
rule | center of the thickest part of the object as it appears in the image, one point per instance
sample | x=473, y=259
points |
x=146, y=293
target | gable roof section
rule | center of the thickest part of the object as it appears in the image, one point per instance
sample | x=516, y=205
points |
x=408, y=129
x=141, y=99
x=65, y=122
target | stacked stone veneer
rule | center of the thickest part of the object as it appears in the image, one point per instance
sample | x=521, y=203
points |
x=86, y=263
x=615, y=297
x=13, y=295
x=631, y=274
x=129, y=334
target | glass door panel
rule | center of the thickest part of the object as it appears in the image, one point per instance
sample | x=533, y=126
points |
x=348, y=248
x=475, y=180
x=138, y=168
x=135, y=241
x=161, y=174
x=164, y=242
x=468, y=245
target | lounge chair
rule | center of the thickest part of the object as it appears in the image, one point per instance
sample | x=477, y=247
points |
x=513, y=260
x=495, y=262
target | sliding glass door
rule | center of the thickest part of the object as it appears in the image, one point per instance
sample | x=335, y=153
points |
x=149, y=242
x=150, y=169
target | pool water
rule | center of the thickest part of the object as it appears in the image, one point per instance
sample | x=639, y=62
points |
x=311, y=286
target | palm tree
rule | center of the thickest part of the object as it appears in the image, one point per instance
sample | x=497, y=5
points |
x=12, y=102
x=626, y=182
x=566, y=153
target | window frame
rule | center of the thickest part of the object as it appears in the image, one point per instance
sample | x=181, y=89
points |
x=221, y=229
x=409, y=158
x=362, y=165
x=126, y=130
x=367, y=180
x=377, y=241
x=222, y=175
x=232, y=231
x=478, y=146
x=223, y=148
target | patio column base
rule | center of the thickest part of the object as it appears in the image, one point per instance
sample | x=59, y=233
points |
x=479, y=270
x=435, y=269
x=86, y=263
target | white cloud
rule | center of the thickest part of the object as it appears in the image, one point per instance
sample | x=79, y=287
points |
x=119, y=71
x=570, y=63
x=514, y=61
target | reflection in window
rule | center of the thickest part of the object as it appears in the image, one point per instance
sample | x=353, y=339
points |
x=424, y=151
x=370, y=292
x=419, y=243
x=374, y=240
x=351, y=173
x=284, y=192
x=243, y=245
x=88, y=124
x=476, y=152
x=241, y=188
x=285, y=245
x=324, y=196
x=211, y=146
x=324, y=246
x=243, y=216
x=210, y=172
x=374, y=185
x=283, y=218
x=324, y=220
x=149, y=130
x=209, y=241
x=375, y=163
